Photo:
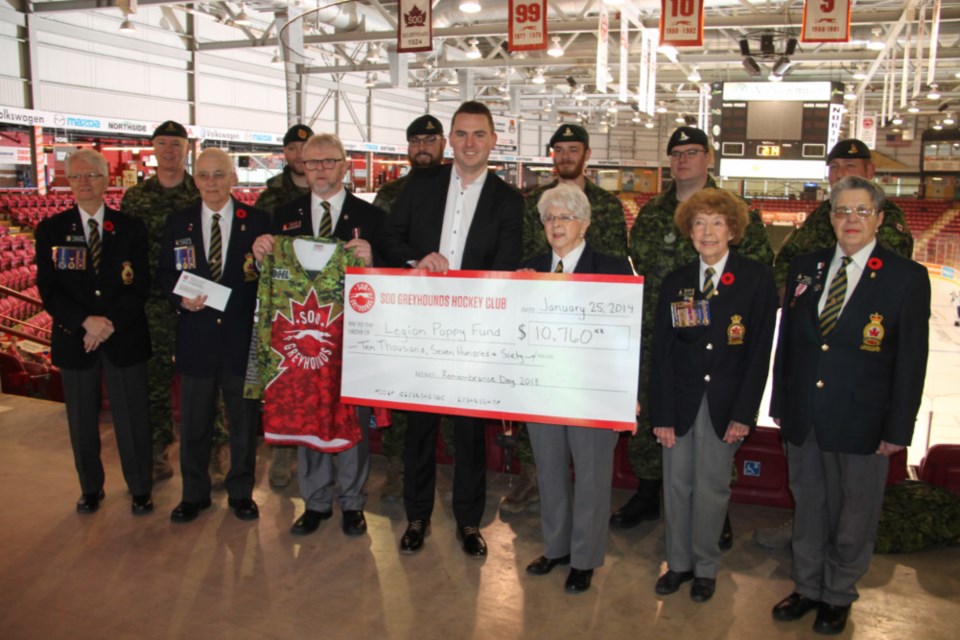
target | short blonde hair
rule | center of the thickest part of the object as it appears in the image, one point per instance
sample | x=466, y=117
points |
x=325, y=140
x=732, y=208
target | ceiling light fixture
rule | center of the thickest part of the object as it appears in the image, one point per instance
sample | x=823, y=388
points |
x=277, y=58
x=433, y=96
x=242, y=19
x=694, y=75
x=126, y=25
x=933, y=94
x=859, y=74
x=470, y=6
x=751, y=67
x=373, y=53
x=371, y=79
x=913, y=108
x=897, y=120
x=452, y=78
x=849, y=93
x=949, y=119
x=680, y=119
x=473, y=52
x=649, y=124
x=774, y=77
x=555, y=50
x=875, y=43
x=937, y=126
x=538, y=77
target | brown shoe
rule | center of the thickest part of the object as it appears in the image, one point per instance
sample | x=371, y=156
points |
x=280, y=469
x=524, y=494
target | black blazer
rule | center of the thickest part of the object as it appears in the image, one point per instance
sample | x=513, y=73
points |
x=293, y=219
x=413, y=228
x=863, y=383
x=590, y=262
x=118, y=291
x=208, y=338
x=728, y=359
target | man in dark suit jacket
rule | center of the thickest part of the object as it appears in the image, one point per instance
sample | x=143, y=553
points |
x=846, y=392
x=213, y=239
x=94, y=279
x=457, y=216
x=330, y=211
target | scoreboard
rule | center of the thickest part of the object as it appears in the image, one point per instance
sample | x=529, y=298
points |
x=775, y=130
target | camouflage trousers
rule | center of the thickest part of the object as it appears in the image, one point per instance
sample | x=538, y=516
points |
x=392, y=438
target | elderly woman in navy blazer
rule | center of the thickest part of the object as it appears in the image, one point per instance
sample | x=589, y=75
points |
x=574, y=518
x=712, y=337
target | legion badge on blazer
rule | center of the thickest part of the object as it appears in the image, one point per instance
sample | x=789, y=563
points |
x=736, y=331
x=70, y=258
x=249, y=268
x=185, y=257
x=126, y=274
x=873, y=333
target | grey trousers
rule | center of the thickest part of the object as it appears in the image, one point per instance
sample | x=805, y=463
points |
x=696, y=490
x=575, y=517
x=318, y=474
x=838, y=500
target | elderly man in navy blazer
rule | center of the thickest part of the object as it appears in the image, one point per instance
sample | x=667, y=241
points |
x=847, y=384
x=457, y=216
x=213, y=239
x=94, y=279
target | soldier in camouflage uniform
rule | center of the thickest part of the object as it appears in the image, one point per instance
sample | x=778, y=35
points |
x=281, y=189
x=847, y=158
x=657, y=248
x=426, y=145
x=607, y=234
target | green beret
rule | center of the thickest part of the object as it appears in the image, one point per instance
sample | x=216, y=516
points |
x=571, y=133
x=851, y=148
x=688, y=135
x=170, y=128
x=425, y=126
x=297, y=133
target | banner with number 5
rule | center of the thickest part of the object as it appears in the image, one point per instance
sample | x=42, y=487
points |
x=826, y=21
x=681, y=23
x=528, y=25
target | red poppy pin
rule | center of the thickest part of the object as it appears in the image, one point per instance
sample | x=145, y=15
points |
x=727, y=279
x=874, y=264
x=107, y=226
x=241, y=213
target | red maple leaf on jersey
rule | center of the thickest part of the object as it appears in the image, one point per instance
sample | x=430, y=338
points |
x=307, y=339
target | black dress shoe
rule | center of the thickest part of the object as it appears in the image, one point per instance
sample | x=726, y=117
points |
x=726, y=536
x=643, y=505
x=244, y=508
x=412, y=540
x=794, y=607
x=141, y=505
x=90, y=502
x=578, y=580
x=188, y=511
x=354, y=524
x=472, y=542
x=831, y=619
x=309, y=522
x=703, y=589
x=544, y=565
x=670, y=581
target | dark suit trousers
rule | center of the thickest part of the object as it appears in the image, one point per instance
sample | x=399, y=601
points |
x=469, y=468
x=198, y=408
x=127, y=389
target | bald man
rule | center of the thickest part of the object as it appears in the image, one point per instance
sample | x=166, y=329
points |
x=213, y=239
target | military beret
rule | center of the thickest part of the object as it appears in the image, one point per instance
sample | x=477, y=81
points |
x=570, y=133
x=297, y=133
x=688, y=135
x=170, y=128
x=851, y=148
x=425, y=126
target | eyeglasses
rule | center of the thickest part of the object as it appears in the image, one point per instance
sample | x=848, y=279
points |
x=216, y=176
x=423, y=141
x=90, y=177
x=563, y=217
x=326, y=163
x=689, y=153
x=861, y=211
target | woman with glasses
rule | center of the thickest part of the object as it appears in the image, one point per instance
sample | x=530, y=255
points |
x=574, y=518
x=713, y=330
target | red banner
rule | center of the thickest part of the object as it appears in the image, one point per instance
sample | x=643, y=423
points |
x=826, y=21
x=528, y=25
x=414, y=26
x=681, y=23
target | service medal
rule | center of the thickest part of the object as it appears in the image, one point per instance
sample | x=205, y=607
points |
x=873, y=333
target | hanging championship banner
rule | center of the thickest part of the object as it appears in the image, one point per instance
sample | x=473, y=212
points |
x=603, y=47
x=826, y=21
x=528, y=25
x=647, y=88
x=681, y=23
x=414, y=26
x=624, y=54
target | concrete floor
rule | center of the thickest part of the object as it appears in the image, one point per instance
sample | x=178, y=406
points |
x=113, y=575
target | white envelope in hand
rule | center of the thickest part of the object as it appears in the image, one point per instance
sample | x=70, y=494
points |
x=191, y=285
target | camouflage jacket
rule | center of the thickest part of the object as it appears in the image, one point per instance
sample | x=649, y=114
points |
x=151, y=202
x=608, y=227
x=280, y=190
x=817, y=233
x=388, y=193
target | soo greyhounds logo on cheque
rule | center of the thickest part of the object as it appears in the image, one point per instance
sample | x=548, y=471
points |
x=361, y=297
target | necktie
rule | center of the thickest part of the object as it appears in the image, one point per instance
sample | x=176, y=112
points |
x=326, y=221
x=96, y=247
x=215, y=256
x=708, y=288
x=559, y=268
x=835, y=296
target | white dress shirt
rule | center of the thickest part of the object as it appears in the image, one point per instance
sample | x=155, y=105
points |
x=336, y=207
x=855, y=269
x=458, y=216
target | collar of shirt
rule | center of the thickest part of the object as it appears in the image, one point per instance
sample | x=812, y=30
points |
x=717, y=268
x=570, y=260
x=226, y=223
x=859, y=258
x=336, y=206
x=858, y=262
x=84, y=217
x=458, y=212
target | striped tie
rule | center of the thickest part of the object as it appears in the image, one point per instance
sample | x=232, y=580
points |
x=96, y=246
x=326, y=221
x=559, y=268
x=708, y=288
x=215, y=255
x=838, y=291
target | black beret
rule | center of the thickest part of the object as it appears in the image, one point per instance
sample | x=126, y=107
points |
x=570, y=133
x=688, y=135
x=170, y=128
x=297, y=133
x=425, y=126
x=851, y=148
